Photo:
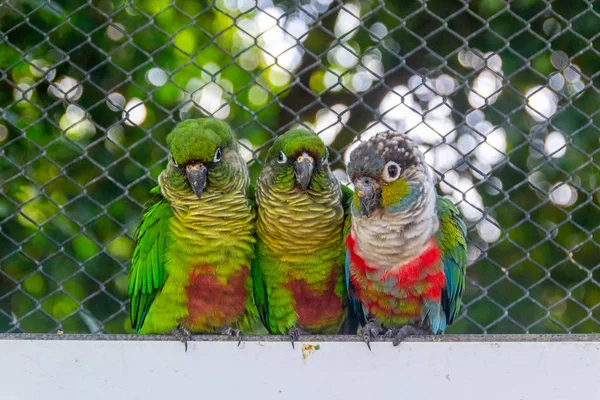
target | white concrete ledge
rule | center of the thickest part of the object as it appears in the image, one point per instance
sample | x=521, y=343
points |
x=116, y=367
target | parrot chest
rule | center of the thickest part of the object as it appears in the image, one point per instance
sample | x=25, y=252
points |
x=318, y=305
x=397, y=295
x=211, y=256
x=301, y=254
x=213, y=301
x=295, y=223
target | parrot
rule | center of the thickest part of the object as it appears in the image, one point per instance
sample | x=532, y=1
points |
x=190, y=270
x=406, y=247
x=299, y=266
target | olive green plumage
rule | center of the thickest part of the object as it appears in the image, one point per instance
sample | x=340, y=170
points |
x=191, y=263
x=185, y=144
x=298, y=269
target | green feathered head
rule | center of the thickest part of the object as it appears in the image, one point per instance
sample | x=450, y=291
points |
x=298, y=158
x=198, y=140
x=388, y=171
x=202, y=152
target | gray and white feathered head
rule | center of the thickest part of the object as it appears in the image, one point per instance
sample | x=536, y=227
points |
x=388, y=172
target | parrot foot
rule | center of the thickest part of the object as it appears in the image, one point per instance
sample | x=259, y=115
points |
x=399, y=335
x=295, y=334
x=371, y=330
x=183, y=335
x=232, y=332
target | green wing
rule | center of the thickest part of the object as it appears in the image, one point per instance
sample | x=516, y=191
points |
x=347, y=197
x=148, y=273
x=258, y=283
x=260, y=294
x=452, y=239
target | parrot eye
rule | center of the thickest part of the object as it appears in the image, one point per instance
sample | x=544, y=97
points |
x=217, y=156
x=324, y=159
x=281, y=158
x=391, y=171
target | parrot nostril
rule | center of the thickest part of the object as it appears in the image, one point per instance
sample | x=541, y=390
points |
x=368, y=182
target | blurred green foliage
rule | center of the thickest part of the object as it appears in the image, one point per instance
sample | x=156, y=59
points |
x=76, y=170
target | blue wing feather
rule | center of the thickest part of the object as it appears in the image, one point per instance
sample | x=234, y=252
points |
x=452, y=239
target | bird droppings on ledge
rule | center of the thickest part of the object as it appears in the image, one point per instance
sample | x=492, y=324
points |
x=308, y=349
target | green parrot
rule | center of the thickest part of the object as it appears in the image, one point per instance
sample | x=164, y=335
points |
x=298, y=270
x=407, y=248
x=190, y=270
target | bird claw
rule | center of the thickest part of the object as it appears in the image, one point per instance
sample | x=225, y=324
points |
x=371, y=330
x=232, y=332
x=398, y=335
x=295, y=334
x=183, y=335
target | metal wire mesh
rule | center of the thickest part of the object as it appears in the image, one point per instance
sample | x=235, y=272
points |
x=501, y=95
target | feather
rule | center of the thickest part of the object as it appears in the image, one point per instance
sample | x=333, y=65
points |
x=452, y=240
x=299, y=267
x=148, y=273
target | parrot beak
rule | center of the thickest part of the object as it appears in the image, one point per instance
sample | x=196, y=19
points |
x=303, y=168
x=196, y=175
x=369, y=194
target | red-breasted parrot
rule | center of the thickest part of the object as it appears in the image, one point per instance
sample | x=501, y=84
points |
x=190, y=270
x=407, y=249
x=298, y=272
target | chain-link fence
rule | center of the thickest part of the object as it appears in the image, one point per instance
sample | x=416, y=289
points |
x=502, y=96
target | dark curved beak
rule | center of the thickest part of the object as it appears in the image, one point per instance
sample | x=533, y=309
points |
x=368, y=192
x=196, y=175
x=303, y=169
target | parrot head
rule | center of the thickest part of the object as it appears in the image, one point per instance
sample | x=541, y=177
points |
x=201, y=151
x=388, y=172
x=297, y=159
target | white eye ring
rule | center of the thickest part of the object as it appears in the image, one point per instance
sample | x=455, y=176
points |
x=324, y=159
x=281, y=158
x=391, y=171
x=217, y=156
x=171, y=158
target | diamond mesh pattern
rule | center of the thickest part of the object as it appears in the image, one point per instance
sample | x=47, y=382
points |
x=501, y=95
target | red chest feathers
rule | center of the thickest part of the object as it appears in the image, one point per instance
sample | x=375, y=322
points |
x=213, y=303
x=399, y=291
x=317, y=307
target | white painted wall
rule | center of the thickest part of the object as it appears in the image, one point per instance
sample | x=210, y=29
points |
x=219, y=370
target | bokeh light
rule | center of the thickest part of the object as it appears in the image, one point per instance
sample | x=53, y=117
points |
x=563, y=194
x=555, y=145
x=66, y=88
x=541, y=103
x=135, y=112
